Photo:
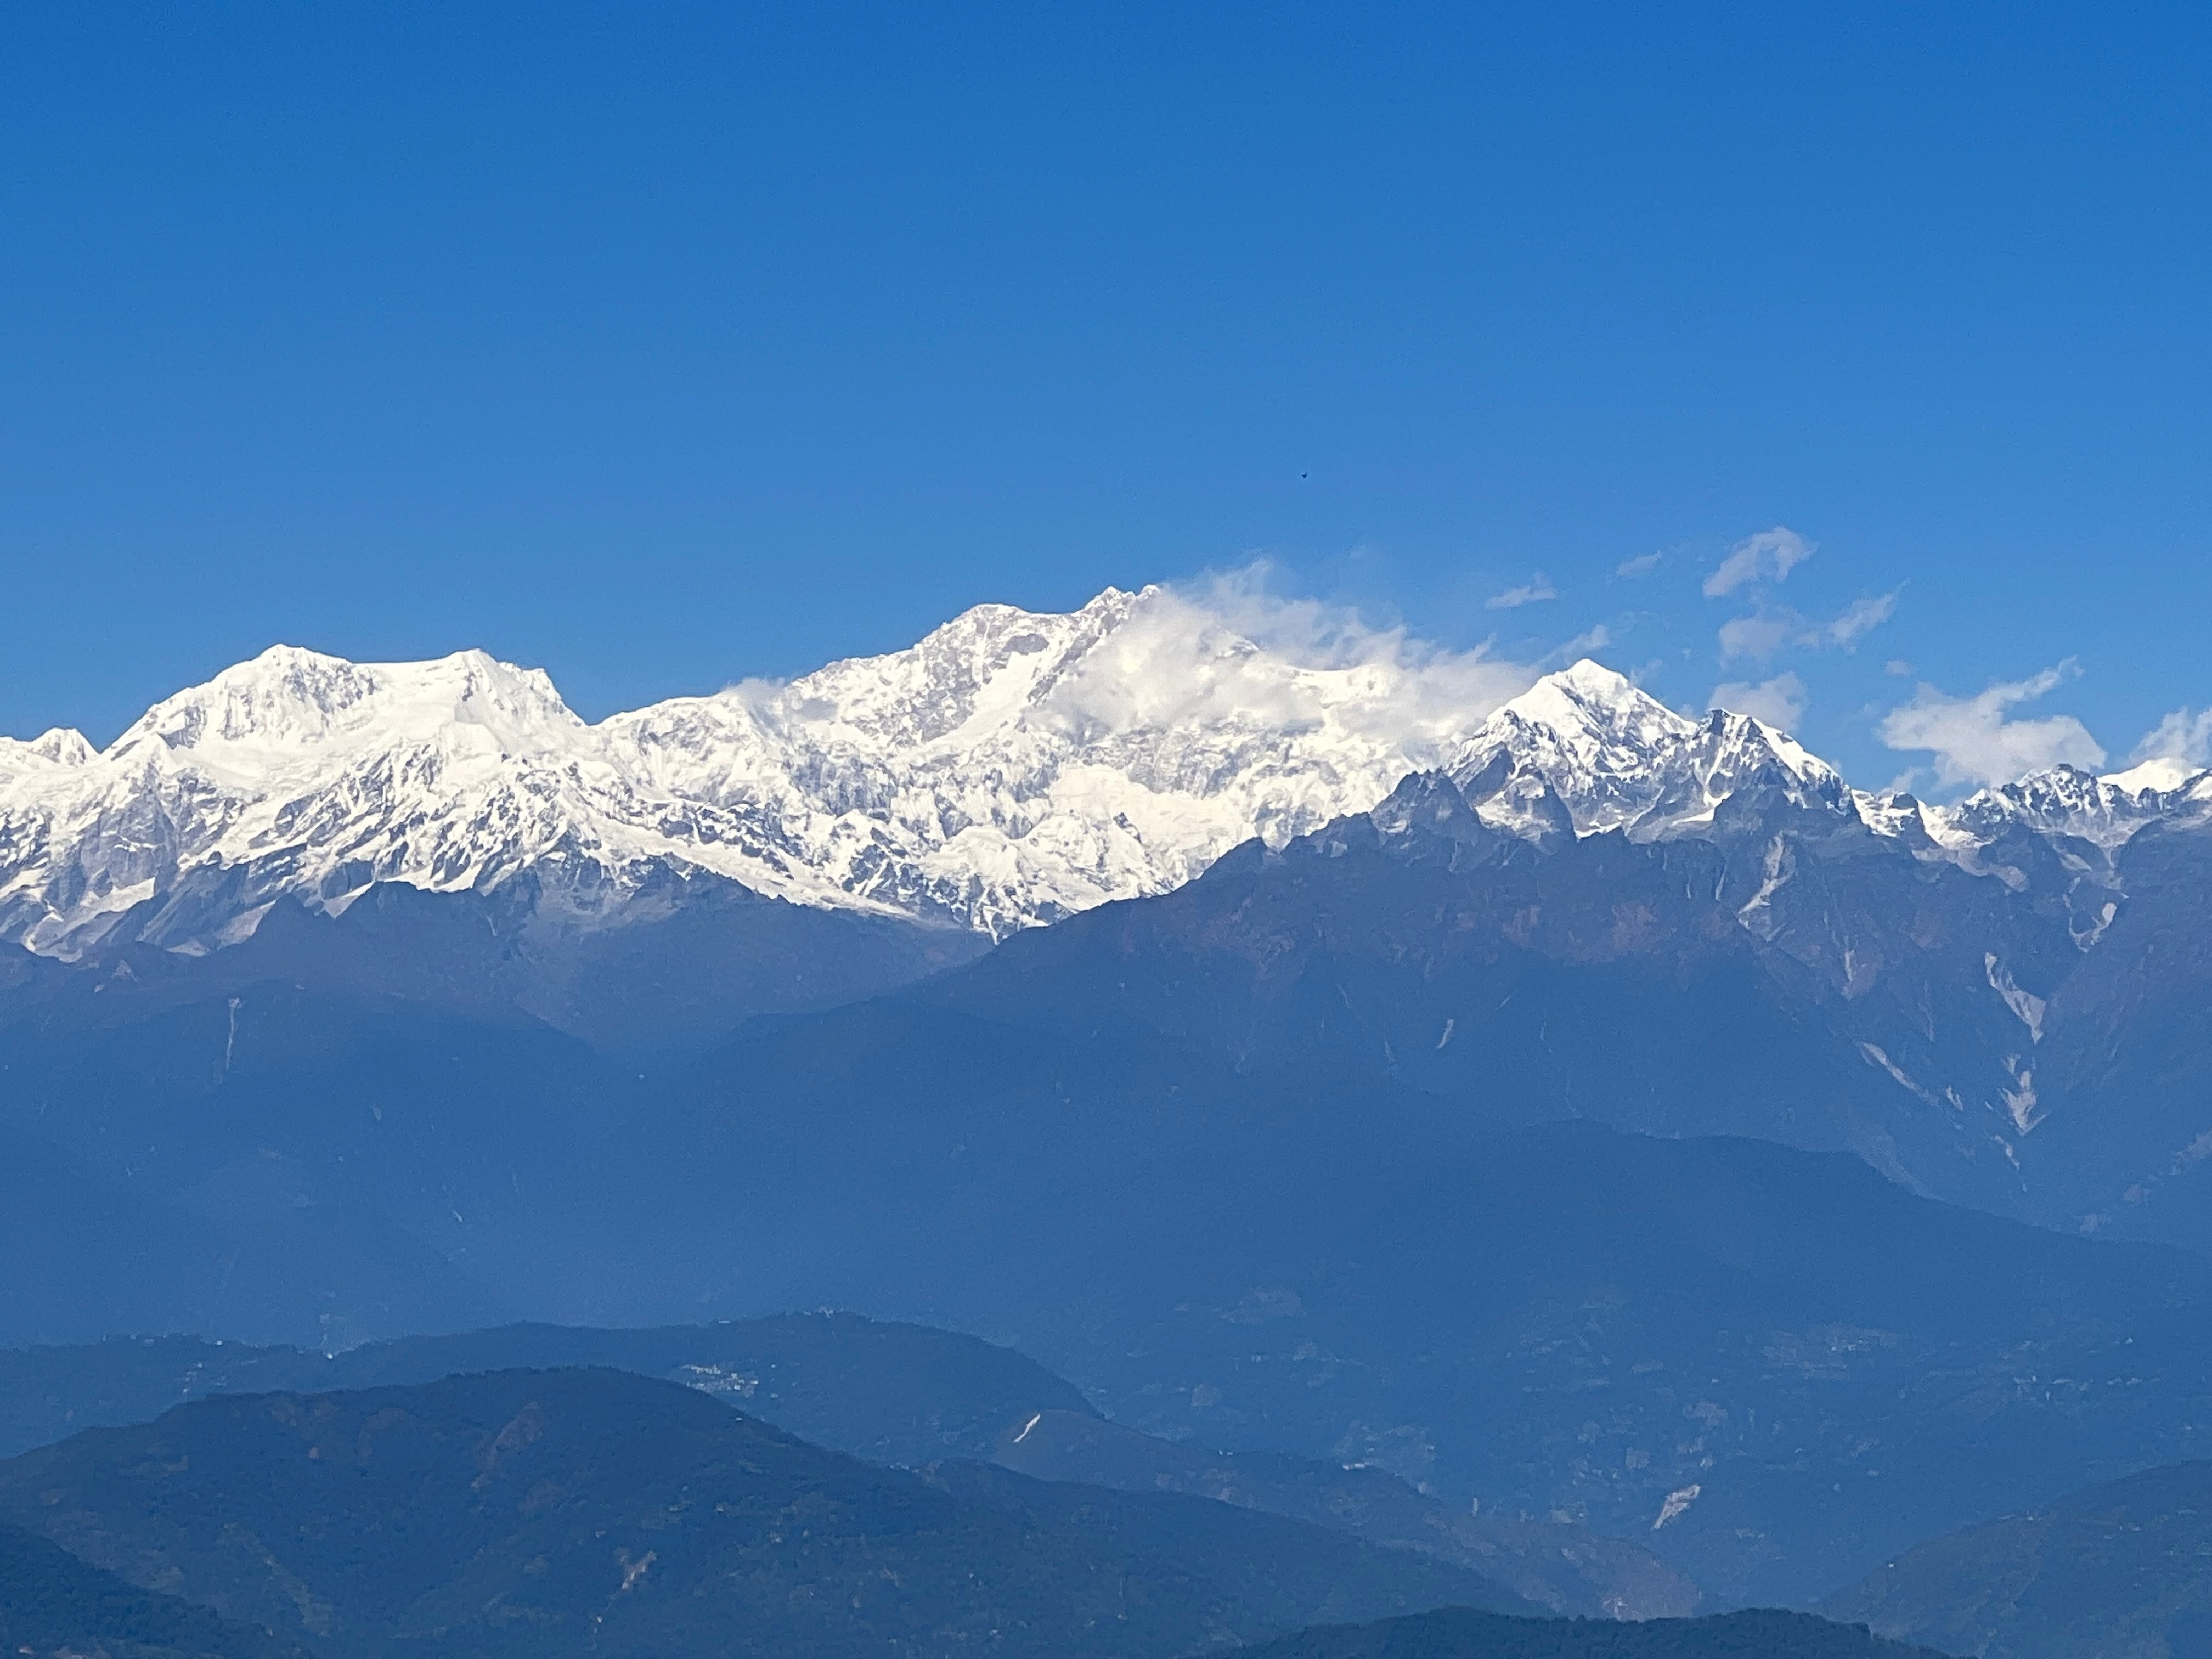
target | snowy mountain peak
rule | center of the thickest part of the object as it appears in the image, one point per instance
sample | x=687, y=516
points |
x=1594, y=711
x=2165, y=776
x=1617, y=758
x=1011, y=767
x=61, y=746
x=289, y=705
x=2063, y=800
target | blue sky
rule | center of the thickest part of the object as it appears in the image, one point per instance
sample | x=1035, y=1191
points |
x=660, y=346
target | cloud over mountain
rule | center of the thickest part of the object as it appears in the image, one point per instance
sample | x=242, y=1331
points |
x=1779, y=701
x=1974, y=740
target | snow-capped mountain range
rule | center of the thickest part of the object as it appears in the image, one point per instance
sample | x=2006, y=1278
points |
x=1010, y=769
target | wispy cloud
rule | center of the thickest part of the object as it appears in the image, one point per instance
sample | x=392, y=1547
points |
x=1757, y=637
x=1974, y=740
x=1642, y=564
x=1764, y=632
x=1859, y=619
x=2184, y=735
x=1779, y=701
x=1771, y=554
x=1535, y=590
x=1580, y=646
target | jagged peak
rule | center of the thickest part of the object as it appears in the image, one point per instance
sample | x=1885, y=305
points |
x=60, y=745
x=1589, y=698
x=1725, y=729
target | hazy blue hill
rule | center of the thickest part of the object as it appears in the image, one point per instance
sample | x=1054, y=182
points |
x=2118, y=1570
x=1465, y=1633
x=537, y=1512
x=892, y=1393
x=1562, y=1321
x=52, y=1605
x=889, y=1392
x=1567, y=1569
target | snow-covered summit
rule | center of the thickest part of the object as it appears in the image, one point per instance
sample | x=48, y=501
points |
x=287, y=705
x=1613, y=756
x=1009, y=769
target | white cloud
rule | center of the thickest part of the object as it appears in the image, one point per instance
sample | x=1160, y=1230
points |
x=1536, y=589
x=1642, y=564
x=1226, y=650
x=1860, y=618
x=1974, y=743
x=1756, y=637
x=1898, y=666
x=1779, y=701
x=1771, y=554
x=1765, y=632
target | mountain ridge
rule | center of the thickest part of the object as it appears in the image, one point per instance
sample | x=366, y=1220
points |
x=1010, y=769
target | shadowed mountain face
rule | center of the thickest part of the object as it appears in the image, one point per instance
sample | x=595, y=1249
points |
x=1458, y=1633
x=2120, y=1570
x=1787, y=973
x=535, y=1512
x=53, y=1606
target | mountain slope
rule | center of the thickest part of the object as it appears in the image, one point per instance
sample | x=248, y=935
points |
x=89, y=1252
x=53, y=1606
x=1981, y=1023
x=1948, y=992
x=1562, y=1323
x=890, y=1393
x=1460, y=1633
x=537, y=1512
x=2113, y=1571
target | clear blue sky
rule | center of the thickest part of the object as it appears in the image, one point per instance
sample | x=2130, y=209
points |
x=661, y=345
